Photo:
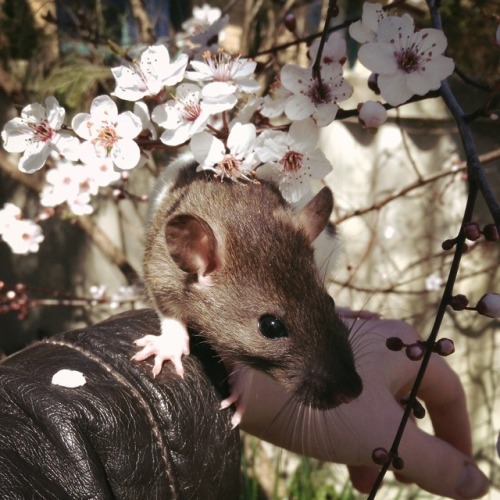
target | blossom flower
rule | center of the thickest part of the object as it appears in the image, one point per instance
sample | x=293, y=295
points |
x=8, y=215
x=433, y=282
x=235, y=162
x=292, y=158
x=407, y=62
x=274, y=102
x=148, y=76
x=72, y=184
x=22, y=235
x=334, y=50
x=37, y=133
x=203, y=18
x=366, y=29
x=226, y=76
x=372, y=114
x=101, y=172
x=108, y=133
x=310, y=97
x=185, y=115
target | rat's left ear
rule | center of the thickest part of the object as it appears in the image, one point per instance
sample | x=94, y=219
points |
x=314, y=217
x=193, y=245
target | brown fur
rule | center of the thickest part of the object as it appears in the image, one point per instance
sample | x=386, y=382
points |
x=260, y=261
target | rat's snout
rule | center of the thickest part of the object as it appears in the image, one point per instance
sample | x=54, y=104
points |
x=321, y=390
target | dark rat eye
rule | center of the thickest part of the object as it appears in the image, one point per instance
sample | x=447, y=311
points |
x=271, y=327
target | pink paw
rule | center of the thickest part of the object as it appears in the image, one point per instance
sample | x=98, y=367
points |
x=237, y=380
x=171, y=345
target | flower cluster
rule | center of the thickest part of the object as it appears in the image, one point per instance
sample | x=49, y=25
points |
x=407, y=62
x=212, y=102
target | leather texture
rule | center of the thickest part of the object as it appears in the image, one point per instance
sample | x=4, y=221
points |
x=121, y=435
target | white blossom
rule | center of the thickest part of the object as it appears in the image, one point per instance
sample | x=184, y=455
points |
x=334, y=50
x=225, y=78
x=366, y=29
x=37, y=133
x=407, y=62
x=108, y=133
x=310, y=97
x=292, y=158
x=70, y=183
x=150, y=75
x=372, y=114
x=433, y=282
x=236, y=162
x=185, y=115
x=22, y=235
x=9, y=214
x=274, y=101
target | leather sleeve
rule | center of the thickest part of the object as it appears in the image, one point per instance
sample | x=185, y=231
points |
x=122, y=434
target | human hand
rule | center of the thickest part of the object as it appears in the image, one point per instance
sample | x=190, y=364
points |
x=440, y=464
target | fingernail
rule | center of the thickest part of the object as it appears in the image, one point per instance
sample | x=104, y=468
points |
x=473, y=483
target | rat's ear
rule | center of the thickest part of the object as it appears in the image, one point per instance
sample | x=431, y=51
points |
x=193, y=245
x=314, y=217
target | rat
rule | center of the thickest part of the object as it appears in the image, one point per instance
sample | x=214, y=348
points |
x=235, y=262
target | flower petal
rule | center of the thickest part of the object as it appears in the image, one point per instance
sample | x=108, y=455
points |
x=303, y=135
x=207, y=149
x=126, y=154
x=298, y=107
x=393, y=88
x=82, y=124
x=16, y=135
x=128, y=125
x=103, y=108
x=55, y=113
x=34, y=157
x=325, y=114
x=378, y=57
x=241, y=137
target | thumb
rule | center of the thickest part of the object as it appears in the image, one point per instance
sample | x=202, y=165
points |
x=438, y=467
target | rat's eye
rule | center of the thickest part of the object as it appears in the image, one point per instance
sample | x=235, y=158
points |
x=272, y=327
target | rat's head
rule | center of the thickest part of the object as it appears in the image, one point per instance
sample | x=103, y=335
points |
x=256, y=294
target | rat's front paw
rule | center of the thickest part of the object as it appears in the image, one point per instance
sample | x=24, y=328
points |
x=237, y=381
x=171, y=345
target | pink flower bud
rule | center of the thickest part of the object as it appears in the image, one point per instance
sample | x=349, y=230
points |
x=472, y=231
x=459, y=302
x=381, y=456
x=489, y=305
x=444, y=347
x=372, y=114
x=290, y=22
x=415, y=351
x=394, y=344
x=448, y=244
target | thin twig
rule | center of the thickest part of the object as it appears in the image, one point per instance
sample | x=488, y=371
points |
x=460, y=168
x=475, y=174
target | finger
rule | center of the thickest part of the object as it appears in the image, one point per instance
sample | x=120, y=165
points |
x=438, y=467
x=445, y=399
x=362, y=477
